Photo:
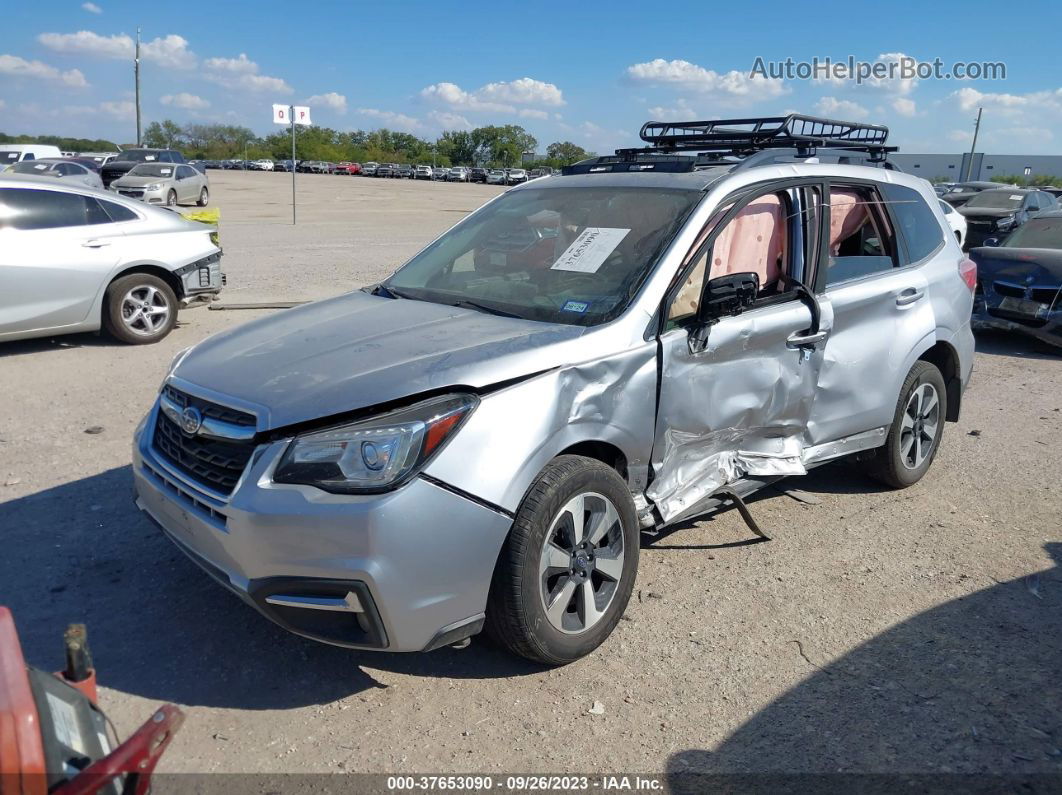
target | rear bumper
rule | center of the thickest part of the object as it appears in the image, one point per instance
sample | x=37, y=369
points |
x=418, y=560
x=990, y=314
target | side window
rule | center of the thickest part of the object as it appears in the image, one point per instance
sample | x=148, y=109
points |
x=45, y=209
x=184, y=172
x=861, y=241
x=917, y=223
x=66, y=169
x=757, y=239
x=28, y=156
x=117, y=212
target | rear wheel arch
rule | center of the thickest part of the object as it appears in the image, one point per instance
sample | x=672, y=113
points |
x=946, y=359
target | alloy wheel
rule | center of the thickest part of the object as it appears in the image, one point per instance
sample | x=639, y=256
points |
x=581, y=562
x=145, y=310
x=918, y=428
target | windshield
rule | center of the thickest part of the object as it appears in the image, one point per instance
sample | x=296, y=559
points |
x=562, y=255
x=9, y=157
x=138, y=156
x=31, y=167
x=1037, y=233
x=151, y=170
x=996, y=200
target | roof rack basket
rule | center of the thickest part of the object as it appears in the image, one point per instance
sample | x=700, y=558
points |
x=741, y=137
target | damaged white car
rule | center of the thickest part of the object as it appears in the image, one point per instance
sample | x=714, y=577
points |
x=477, y=441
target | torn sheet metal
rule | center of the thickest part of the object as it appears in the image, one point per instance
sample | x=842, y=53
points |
x=739, y=407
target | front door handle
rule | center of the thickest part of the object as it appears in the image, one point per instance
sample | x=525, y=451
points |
x=909, y=296
x=800, y=339
x=95, y=243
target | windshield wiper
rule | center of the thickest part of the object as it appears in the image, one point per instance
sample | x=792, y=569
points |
x=467, y=304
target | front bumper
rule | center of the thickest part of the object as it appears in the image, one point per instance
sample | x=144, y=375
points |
x=418, y=561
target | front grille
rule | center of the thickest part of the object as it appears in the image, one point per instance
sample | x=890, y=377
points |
x=214, y=463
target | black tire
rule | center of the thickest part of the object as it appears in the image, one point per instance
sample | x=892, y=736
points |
x=892, y=464
x=516, y=613
x=171, y=199
x=204, y=198
x=114, y=305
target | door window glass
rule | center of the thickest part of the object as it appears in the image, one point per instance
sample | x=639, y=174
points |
x=919, y=225
x=861, y=242
x=45, y=209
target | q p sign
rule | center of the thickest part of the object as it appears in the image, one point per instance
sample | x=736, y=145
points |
x=282, y=114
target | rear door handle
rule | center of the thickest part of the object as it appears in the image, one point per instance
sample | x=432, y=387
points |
x=909, y=296
x=95, y=243
x=800, y=339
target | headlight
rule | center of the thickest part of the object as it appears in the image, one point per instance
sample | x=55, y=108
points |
x=374, y=454
x=177, y=360
x=152, y=186
x=1007, y=221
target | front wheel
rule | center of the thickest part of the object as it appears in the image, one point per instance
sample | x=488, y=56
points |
x=914, y=436
x=567, y=569
x=171, y=199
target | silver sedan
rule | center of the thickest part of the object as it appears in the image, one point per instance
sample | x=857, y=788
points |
x=74, y=259
x=59, y=169
x=164, y=183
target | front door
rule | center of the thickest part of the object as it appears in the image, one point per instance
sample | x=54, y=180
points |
x=736, y=401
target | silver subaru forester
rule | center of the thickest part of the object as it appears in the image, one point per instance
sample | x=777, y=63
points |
x=477, y=441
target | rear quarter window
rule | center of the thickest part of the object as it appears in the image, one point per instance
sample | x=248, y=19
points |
x=921, y=231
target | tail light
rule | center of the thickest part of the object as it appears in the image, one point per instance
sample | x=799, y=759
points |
x=968, y=272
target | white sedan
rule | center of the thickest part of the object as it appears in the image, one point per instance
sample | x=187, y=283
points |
x=956, y=221
x=74, y=259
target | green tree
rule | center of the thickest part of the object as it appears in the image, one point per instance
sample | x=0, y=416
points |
x=566, y=153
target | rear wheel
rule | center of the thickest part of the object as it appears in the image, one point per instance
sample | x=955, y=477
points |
x=917, y=427
x=139, y=309
x=204, y=197
x=567, y=570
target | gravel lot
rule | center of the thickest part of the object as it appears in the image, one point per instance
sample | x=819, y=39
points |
x=879, y=631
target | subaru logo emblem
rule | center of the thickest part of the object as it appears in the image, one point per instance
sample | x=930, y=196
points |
x=191, y=420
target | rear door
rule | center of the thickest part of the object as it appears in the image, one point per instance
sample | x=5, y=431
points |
x=735, y=396
x=56, y=251
x=882, y=310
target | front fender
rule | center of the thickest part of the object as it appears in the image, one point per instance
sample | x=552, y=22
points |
x=517, y=430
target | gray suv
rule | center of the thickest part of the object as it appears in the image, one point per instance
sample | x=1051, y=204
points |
x=477, y=441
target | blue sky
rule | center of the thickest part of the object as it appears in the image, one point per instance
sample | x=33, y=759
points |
x=582, y=71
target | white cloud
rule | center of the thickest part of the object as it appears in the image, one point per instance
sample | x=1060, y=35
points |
x=450, y=121
x=904, y=106
x=123, y=109
x=92, y=8
x=170, y=52
x=242, y=73
x=680, y=111
x=733, y=86
x=891, y=83
x=960, y=136
x=971, y=99
x=185, y=100
x=395, y=121
x=20, y=67
x=524, y=91
x=841, y=108
x=331, y=100
x=503, y=97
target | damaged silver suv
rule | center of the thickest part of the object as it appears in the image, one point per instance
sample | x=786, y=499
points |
x=477, y=441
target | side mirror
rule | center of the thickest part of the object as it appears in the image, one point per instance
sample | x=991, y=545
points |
x=726, y=296
x=991, y=241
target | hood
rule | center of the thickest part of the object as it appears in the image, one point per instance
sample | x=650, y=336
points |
x=119, y=166
x=359, y=350
x=1043, y=265
x=985, y=212
x=139, y=181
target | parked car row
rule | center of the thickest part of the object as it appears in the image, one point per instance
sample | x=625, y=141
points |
x=489, y=176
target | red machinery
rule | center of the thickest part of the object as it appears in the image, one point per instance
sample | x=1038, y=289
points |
x=53, y=736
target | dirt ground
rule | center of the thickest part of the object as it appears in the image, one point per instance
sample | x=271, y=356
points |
x=917, y=631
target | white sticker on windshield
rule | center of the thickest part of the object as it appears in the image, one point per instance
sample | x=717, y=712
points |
x=149, y=157
x=41, y=166
x=588, y=251
x=1015, y=196
x=166, y=171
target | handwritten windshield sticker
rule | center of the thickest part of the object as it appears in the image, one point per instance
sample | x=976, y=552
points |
x=589, y=251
